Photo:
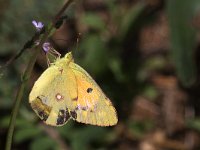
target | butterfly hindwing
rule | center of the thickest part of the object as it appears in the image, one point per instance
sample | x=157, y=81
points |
x=93, y=107
x=50, y=95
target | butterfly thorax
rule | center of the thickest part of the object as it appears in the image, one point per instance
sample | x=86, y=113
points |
x=65, y=61
x=69, y=57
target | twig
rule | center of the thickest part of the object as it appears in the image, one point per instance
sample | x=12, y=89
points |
x=58, y=15
x=27, y=75
x=55, y=136
x=27, y=45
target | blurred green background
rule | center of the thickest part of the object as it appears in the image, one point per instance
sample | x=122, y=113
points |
x=145, y=56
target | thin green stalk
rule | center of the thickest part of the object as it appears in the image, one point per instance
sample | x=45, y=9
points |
x=27, y=75
x=19, y=98
x=17, y=103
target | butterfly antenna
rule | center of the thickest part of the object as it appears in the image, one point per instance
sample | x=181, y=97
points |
x=54, y=52
x=77, y=42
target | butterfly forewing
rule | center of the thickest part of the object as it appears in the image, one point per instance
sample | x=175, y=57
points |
x=93, y=107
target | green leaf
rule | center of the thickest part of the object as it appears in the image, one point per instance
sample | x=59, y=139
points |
x=93, y=21
x=129, y=19
x=194, y=123
x=150, y=92
x=20, y=122
x=95, y=54
x=149, y=65
x=115, y=65
x=67, y=130
x=139, y=128
x=26, y=133
x=83, y=137
x=43, y=143
x=182, y=39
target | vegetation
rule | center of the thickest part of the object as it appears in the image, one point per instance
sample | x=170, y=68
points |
x=143, y=54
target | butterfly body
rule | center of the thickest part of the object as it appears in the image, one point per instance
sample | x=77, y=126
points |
x=65, y=90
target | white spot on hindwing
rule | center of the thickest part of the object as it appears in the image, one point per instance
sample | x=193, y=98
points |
x=59, y=97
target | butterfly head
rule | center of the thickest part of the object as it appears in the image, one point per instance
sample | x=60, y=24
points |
x=69, y=57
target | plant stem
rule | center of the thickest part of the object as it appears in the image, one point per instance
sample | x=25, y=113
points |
x=17, y=103
x=27, y=75
x=13, y=117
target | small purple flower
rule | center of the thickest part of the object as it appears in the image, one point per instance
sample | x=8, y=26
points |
x=46, y=47
x=38, y=25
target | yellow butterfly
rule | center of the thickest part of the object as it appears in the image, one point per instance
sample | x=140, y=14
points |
x=65, y=91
